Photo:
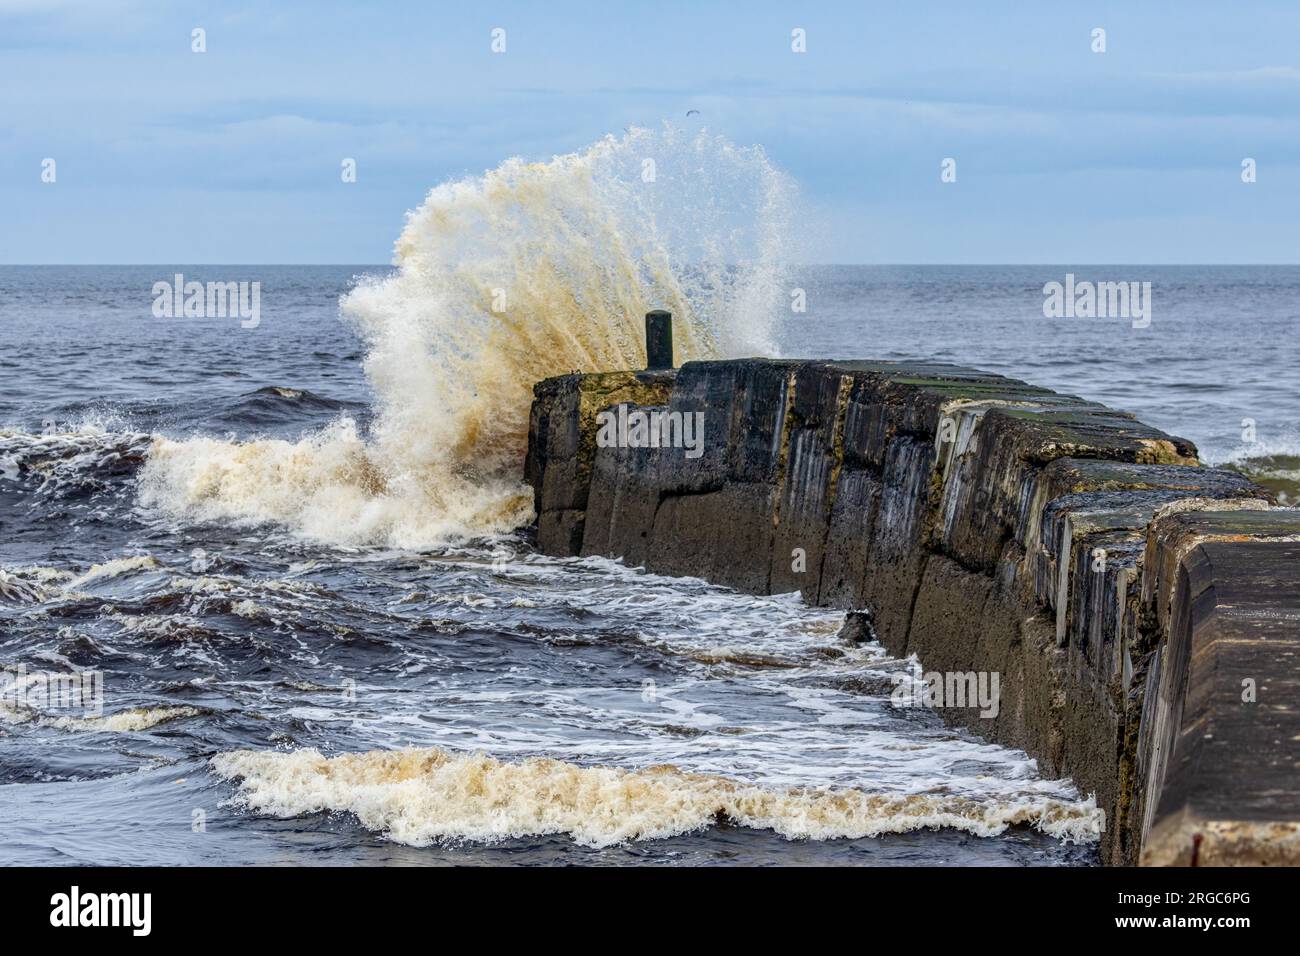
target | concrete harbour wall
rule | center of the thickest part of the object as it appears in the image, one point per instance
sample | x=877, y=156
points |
x=1143, y=611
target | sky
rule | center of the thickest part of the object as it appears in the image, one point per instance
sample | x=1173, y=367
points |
x=1062, y=154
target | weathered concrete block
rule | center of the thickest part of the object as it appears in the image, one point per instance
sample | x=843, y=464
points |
x=757, y=427
x=1182, y=526
x=1001, y=454
x=895, y=555
x=1227, y=772
x=812, y=467
x=846, y=554
x=562, y=445
x=688, y=538
x=625, y=491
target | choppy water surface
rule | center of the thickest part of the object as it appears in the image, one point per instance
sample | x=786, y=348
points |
x=272, y=695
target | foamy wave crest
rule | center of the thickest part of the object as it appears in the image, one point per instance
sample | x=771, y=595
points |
x=116, y=568
x=18, y=588
x=84, y=459
x=132, y=720
x=531, y=270
x=423, y=796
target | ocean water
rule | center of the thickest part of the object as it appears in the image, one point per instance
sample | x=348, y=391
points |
x=250, y=643
x=288, y=559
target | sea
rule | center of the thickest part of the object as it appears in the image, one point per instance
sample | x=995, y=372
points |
x=268, y=594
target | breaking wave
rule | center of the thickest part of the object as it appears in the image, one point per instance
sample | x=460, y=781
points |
x=61, y=464
x=1277, y=470
x=132, y=720
x=528, y=271
x=424, y=796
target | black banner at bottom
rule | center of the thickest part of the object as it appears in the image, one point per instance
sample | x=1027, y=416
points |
x=336, y=906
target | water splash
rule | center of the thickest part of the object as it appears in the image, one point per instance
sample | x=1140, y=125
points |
x=531, y=270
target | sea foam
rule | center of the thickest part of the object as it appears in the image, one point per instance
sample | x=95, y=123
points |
x=424, y=796
x=528, y=271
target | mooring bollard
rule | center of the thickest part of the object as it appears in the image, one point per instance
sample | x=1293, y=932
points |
x=658, y=339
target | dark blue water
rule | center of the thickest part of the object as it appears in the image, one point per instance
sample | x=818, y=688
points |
x=272, y=652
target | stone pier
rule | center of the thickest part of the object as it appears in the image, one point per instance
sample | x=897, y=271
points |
x=1143, y=611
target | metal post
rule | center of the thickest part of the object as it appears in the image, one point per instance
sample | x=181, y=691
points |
x=659, y=339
